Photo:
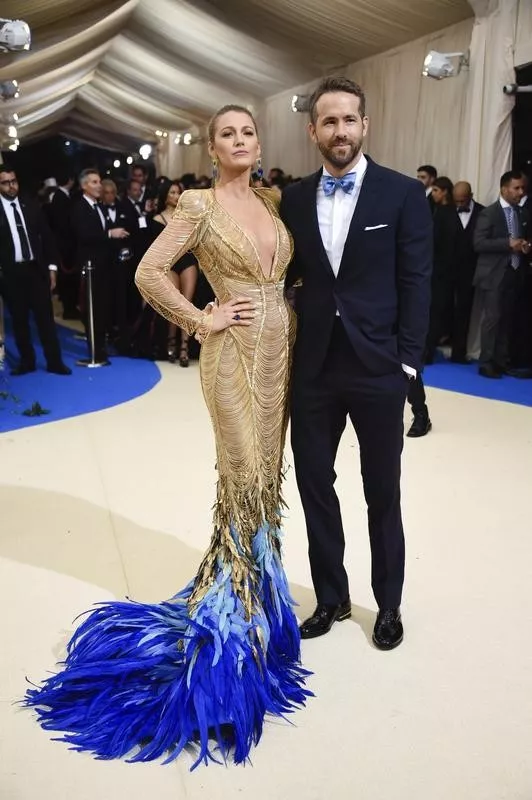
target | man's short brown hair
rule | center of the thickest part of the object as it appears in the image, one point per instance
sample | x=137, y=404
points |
x=339, y=84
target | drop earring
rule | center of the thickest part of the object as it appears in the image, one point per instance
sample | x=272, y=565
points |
x=214, y=170
x=260, y=171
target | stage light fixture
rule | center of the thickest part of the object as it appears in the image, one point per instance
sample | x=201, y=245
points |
x=9, y=90
x=15, y=35
x=439, y=65
x=301, y=103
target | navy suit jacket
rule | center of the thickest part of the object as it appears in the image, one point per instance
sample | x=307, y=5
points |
x=39, y=234
x=383, y=286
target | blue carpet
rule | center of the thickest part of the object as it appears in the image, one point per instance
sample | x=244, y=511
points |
x=465, y=379
x=86, y=390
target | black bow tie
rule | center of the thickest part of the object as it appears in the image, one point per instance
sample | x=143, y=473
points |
x=464, y=210
x=110, y=207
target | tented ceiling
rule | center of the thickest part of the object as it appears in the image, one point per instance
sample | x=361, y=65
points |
x=111, y=72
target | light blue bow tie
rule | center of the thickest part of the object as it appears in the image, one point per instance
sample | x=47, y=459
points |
x=330, y=184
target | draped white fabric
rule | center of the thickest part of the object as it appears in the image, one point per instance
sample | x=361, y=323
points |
x=413, y=119
x=523, y=37
x=487, y=150
x=115, y=71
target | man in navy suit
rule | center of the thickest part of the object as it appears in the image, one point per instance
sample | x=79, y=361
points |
x=28, y=268
x=363, y=259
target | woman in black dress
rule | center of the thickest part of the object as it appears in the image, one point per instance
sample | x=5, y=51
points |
x=155, y=337
x=445, y=248
x=184, y=273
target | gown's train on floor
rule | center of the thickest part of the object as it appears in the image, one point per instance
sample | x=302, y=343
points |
x=145, y=681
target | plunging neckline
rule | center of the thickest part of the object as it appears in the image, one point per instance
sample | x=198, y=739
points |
x=266, y=277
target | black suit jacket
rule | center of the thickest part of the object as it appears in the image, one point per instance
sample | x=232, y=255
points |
x=466, y=257
x=39, y=234
x=139, y=238
x=383, y=286
x=492, y=243
x=92, y=242
x=59, y=214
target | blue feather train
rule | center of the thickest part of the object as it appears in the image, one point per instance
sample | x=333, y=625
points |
x=148, y=680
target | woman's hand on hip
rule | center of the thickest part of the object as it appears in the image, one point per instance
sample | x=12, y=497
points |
x=237, y=311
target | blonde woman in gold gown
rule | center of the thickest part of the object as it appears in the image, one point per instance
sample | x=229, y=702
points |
x=205, y=667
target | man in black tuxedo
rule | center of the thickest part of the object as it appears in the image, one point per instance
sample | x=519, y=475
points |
x=421, y=422
x=139, y=173
x=363, y=250
x=28, y=270
x=138, y=225
x=502, y=241
x=118, y=215
x=468, y=211
x=427, y=174
x=521, y=333
x=59, y=212
x=93, y=238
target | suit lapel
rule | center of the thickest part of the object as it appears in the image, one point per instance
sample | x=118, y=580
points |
x=309, y=219
x=367, y=200
x=4, y=224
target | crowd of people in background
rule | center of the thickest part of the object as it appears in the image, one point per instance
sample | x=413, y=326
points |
x=110, y=225
x=483, y=251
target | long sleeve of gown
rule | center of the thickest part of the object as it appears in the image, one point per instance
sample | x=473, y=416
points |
x=180, y=235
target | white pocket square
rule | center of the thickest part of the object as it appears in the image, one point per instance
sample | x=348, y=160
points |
x=375, y=227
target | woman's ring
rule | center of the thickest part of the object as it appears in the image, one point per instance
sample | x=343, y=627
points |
x=237, y=317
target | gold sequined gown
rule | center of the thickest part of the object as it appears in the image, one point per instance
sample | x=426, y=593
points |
x=211, y=662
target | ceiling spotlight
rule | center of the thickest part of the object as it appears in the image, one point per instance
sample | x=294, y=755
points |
x=187, y=138
x=439, y=65
x=165, y=134
x=67, y=143
x=12, y=132
x=129, y=159
x=300, y=103
x=177, y=139
x=145, y=151
x=9, y=90
x=116, y=163
x=158, y=133
x=14, y=35
x=15, y=117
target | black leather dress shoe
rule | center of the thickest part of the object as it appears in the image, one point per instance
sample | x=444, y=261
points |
x=523, y=373
x=60, y=369
x=388, y=630
x=489, y=371
x=459, y=360
x=22, y=369
x=323, y=619
x=421, y=425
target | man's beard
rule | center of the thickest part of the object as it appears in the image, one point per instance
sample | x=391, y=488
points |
x=337, y=160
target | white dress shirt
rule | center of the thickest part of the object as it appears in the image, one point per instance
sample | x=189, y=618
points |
x=94, y=203
x=335, y=213
x=465, y=216
x=10, y=214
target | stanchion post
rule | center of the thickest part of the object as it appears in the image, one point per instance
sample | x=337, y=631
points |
x=91, y=362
